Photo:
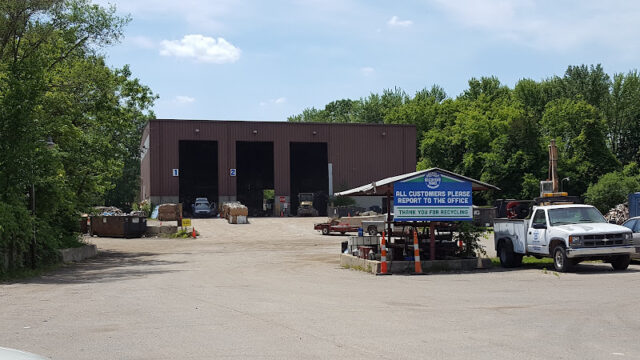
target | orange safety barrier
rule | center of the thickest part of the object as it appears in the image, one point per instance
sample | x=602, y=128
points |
x=383, y=257
x=416, y=253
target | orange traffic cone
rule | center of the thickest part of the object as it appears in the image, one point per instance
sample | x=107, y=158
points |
x=416, y=254
x=383, y=257
x=193, y=232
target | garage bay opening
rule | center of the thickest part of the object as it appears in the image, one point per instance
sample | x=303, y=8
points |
x=309, y=175
x=254, y=162
x=198, y=173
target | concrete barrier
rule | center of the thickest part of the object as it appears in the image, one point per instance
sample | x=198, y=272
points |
x=156, y=230
x=404, y=267
x=79, y=253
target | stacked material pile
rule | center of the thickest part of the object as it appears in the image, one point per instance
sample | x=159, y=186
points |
x=108, y=211
x=168, y=212
x=234, y=212
x=619, y=214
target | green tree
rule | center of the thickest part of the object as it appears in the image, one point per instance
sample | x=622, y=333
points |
x=623, y=117
x=54, y=85
x=613, y=188
x=581, y=138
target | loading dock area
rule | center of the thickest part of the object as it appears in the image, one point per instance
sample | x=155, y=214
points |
x=266, y=165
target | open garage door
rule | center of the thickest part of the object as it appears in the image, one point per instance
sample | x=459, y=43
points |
x=254, y=162
x=198, y=172
x=309, y=174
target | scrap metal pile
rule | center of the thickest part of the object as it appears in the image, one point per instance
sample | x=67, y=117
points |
x=619, y=213
x=234, y=212
x=113, y=211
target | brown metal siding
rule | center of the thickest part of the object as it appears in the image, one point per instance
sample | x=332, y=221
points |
x=359, y=153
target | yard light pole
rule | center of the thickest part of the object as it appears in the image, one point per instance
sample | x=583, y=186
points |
x=34, y=243
x=562, y=183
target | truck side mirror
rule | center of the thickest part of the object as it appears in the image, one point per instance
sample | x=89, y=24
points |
x=539, y=226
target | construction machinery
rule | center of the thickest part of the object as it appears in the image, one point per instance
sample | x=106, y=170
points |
x=305, y=207
x=549, y=193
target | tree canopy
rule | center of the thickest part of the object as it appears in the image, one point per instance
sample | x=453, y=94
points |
x=500, y=134
x=69, y=124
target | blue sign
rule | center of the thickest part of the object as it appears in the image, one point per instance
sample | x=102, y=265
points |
x=232, y=172
x=432, y=197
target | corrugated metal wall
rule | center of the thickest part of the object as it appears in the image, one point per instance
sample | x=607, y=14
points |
x=360, y=153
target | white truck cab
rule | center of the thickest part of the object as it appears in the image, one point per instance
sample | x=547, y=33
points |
x=567, y=233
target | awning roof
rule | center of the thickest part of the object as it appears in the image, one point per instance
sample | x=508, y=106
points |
x=385, y=186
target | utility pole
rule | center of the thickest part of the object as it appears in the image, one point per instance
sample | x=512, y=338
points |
x=553, y=164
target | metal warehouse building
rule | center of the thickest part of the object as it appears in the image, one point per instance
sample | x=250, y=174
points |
x=238, y=160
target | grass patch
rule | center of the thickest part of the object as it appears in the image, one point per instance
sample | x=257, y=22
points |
x=527, y=260
x=184, y=234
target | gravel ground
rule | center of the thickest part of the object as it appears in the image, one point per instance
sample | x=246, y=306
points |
x=274, y=289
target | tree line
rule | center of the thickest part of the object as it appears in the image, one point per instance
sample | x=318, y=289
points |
x=500, y=135
x=69, y=124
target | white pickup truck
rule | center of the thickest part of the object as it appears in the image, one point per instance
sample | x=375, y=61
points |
x=567, y=233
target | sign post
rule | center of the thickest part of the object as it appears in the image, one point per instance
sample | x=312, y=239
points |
x=432, y=197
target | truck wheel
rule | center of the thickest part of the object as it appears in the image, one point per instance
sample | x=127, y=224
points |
x=507, y=257
x=560, y=260
x=325, y=231
x=620, y=262
x=372, y=230
x=517, y=260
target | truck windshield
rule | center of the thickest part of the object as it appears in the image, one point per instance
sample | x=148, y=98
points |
x=575, y=215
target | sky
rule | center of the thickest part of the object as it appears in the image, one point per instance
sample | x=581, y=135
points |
x=267, y=60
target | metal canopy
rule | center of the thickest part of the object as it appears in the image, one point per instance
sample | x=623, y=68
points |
x=385, y=186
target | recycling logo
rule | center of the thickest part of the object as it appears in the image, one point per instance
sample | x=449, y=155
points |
x=432, y=180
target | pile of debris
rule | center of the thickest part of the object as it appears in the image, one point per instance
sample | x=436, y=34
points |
x=234, y=212
x=112, y=211
x=107, y=211
x=619, y=213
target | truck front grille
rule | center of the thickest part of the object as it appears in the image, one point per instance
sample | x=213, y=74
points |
x=603, y=240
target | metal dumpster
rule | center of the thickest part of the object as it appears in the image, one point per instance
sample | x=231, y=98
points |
x=634, y=204
x=118, y=226
x=483, y=216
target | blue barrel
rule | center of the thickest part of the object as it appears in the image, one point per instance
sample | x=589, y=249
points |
x=360, y=232
x=634, y=204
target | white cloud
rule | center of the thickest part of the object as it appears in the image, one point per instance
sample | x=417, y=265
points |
x=278, y=101
x=367, y=71
x=395, y=22
x=201, y=48
x=183, y=99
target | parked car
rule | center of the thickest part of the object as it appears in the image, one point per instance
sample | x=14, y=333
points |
x=203, y=208
x=334, y=226
x=634, y=225
x=12, y=354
